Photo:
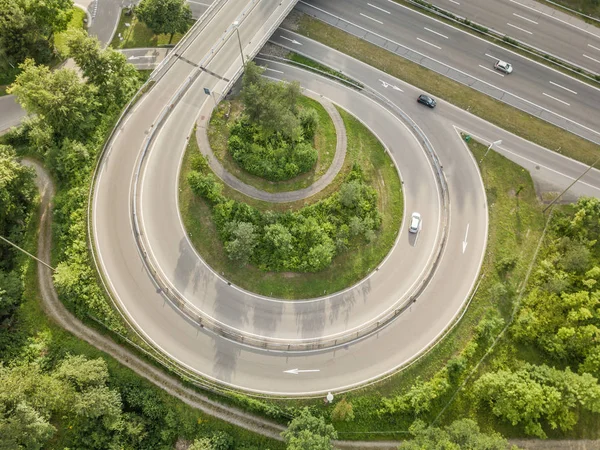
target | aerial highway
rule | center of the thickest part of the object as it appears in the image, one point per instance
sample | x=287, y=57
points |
x=238, y=363
x=537, y=24
x=532, y=87
x=552, y=170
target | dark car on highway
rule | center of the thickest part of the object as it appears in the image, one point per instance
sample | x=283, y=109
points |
x=426, y=100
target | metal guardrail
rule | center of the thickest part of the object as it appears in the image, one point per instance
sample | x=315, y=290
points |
x=144, y=89
x=276, y=344
x=506, y=39
x=558, y=5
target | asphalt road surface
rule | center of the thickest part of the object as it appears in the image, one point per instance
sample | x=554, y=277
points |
x=552, y=170
x=532, y=86
x=539, y=25
x=11, y=112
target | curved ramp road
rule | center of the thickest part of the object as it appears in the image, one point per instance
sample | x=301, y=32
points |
x=333, y=369
x=233, y=363
x=295, y=373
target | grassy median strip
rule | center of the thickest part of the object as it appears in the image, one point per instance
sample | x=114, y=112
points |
x=322, y=69
x=494, y=111
x=324, y=142
x=363, y=149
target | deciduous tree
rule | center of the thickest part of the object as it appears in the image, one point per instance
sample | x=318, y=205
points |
x=65, y=102
x=307, y=432
x=107, y=68
x=460, y=435
x=165, y=16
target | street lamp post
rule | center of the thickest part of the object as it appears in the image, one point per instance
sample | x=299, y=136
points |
x=489, y=148
x=569, y=186
x=236, y=24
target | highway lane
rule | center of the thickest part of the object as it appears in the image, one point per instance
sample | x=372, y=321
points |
x=254, y=369
x=105, y=16
x=532, y=86
x=550, y=169
x=11, y=112
x=536, y=24
x=299, y=320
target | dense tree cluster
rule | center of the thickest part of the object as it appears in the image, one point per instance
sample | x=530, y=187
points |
x=273, y=139
x=461, y=434
x=420, y=398
x=75, y=402
x=69, y=119
x=561, y=313
x=307, y=432
x=303, y=241
x=165, y=16
x=27, y=29
x=534, y=394
x=17, y=192
x=32, y=401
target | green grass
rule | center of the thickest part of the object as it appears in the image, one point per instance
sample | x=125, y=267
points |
x=347, y=268
x=588, y=7
x=321, y=68
x=515, y=225
x=32, y=327
x=60, y=40
x=324, y=142
x=138, y=35
x=494, y=111
x=3, y=90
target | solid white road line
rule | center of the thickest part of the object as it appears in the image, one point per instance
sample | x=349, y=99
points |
x=543, y=108
x=429, y=43
x=471, y=36
x=380, y=9
x=525, y=18
x=435, y=32
x=562, y=87
x=555, y=18
x=589, y=57
x=374, y=20
x=493, y=71
x=531, y=161
x=557, y=99
x=518, y=28
x=595, y=48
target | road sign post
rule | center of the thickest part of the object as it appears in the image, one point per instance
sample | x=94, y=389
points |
x=207, y=91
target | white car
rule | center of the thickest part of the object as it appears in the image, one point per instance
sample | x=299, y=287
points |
x=503, y=66
x=415, y=223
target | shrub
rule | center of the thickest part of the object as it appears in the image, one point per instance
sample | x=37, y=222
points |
x=343, y=411
x=306, y=240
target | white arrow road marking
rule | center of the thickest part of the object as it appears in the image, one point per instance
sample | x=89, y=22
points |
x=465, y=241
x=293, y=41
x=385, y=84
x=297, y=371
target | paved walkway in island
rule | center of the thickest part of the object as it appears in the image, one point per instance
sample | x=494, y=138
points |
x=281, y=197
